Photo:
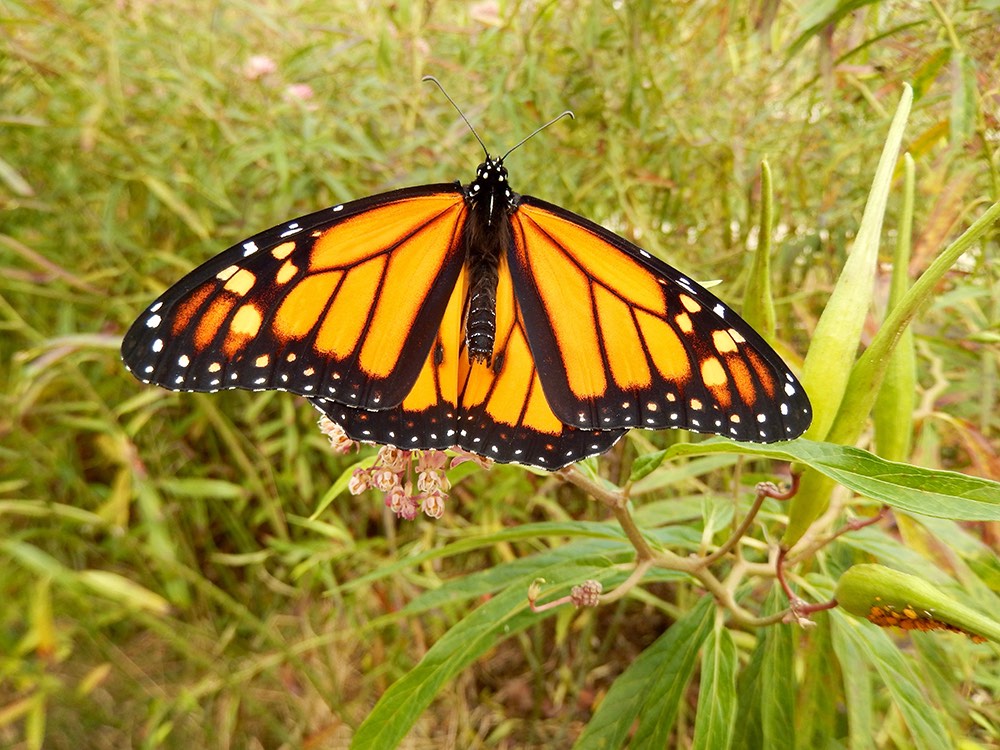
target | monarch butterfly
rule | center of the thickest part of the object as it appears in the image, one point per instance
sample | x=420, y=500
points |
x=448, y=315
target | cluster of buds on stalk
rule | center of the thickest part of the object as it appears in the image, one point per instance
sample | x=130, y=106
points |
x=413, y=481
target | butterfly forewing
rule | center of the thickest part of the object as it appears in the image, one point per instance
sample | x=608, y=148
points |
x=345, y=302
x=623, y=340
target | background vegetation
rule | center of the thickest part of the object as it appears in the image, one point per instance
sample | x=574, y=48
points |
x=163, y=582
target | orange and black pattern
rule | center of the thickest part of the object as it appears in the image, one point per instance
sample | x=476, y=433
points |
x=364, y=309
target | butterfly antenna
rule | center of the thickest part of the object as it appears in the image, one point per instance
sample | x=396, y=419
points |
x=553, y=121
x=437, y=83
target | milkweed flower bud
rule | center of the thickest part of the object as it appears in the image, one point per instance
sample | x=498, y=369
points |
x=433, y=504
x=587, y=594
x=259, y=66
x=393, y=473
x=360, y=481
x=890, y=598
x=339, y=441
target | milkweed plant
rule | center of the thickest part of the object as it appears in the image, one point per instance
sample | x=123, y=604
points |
x=806, y=564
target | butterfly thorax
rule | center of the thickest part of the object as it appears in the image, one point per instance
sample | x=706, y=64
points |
x=486, y=236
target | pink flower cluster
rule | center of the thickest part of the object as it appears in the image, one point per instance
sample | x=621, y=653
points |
x=339, y=442
x=412, y=481
x=262, y=68
x=393, y=474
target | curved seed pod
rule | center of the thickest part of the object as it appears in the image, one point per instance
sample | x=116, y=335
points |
x=890, y=598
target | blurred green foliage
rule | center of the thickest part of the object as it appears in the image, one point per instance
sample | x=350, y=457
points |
x=163, y=583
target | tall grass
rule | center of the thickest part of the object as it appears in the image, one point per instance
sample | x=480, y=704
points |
x=165, y=583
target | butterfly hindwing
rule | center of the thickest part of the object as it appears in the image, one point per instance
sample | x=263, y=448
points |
x=506, y=415
x=623, y=340
x=497, y=410
x=344, y=302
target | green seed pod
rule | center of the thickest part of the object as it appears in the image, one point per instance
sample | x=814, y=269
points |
x=890, y=598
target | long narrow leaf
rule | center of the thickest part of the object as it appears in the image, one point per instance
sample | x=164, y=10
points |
x=777, y=700
x=925, y=727
x=942, y=494
x=652, y=687
x=857, y=691
x=716, y=720
x=498, y=619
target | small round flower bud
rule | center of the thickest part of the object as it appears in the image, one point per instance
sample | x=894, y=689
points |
x=587, y=594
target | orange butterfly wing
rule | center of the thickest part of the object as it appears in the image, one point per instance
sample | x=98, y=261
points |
x=363, y=307
x=623, y=340
x=346, y=302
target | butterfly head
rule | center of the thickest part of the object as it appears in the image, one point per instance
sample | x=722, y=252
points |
x=491, y=186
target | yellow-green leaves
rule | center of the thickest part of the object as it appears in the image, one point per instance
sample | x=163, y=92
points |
x=758, y=304
x=838, y=333
x=897, y=397
x=828, y=365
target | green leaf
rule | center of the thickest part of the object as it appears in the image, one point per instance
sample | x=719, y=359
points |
x=515, y=572
x=716, y=719
x=123, y=590
x=667, y=476
x=339, y=486
x=212, y=489
x=777, y=686
x=172, y=201
x=503, y=616
x=867, y=374
x=818, y=15
x=748, y=718
x=856, y=675
x=928, y=72
x=652, y=688
x=897, y=396
x=533, y=531
x=962, y=118
x=14, y=181
x=942, y=494
x=767, y=686
x=36, y=560
x=645, y=465
x=828, y=365
x=877, y=649
x=816, y=725
x=758, y=300
x=835, y=341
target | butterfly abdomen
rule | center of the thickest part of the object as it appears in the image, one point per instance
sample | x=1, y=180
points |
x=486, y=237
